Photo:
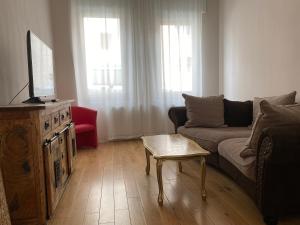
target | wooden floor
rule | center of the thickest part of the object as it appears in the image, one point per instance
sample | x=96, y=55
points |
x=110, y=186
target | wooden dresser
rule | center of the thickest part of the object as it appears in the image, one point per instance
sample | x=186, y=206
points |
x=37, y=152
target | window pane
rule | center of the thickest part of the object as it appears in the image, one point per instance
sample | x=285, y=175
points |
x=103, y=53
x=176, y=57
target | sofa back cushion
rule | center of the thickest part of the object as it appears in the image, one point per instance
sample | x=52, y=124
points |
x=238, y=114
x=271, y=115
x=204, y=111
x=287, y=99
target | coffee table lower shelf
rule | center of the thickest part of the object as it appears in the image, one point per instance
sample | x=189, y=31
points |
x=159, y=165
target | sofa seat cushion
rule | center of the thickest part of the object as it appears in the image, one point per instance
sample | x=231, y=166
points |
x=230, y=149
x=84, y=128
x=209, y=138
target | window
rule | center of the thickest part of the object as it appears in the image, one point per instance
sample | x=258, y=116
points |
x=176, y=56
x=103, y=53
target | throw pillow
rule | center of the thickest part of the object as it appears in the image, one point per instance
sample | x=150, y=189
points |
x=237, y=114
x=271, y=115
x=204, y=111
x=287, y=99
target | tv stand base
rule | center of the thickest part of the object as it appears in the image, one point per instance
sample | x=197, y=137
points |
x=34, y=100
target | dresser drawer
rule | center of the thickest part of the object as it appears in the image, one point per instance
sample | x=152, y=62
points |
x=55, y=120
x=64, y=115
x=46, y=124
x=68, y=113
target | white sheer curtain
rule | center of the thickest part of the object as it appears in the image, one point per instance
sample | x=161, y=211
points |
x=133, y=60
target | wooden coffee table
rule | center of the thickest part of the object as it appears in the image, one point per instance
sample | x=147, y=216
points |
x=173, y=147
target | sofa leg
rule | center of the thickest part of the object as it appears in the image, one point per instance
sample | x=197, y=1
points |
x=269, y=220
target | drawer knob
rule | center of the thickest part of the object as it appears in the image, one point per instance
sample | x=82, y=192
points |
x=46, y=125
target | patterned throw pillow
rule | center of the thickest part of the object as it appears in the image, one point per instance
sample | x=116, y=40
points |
x=271, y=115
x=287, y=99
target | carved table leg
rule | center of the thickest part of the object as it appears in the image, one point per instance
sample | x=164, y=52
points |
x=159, y=163
x=203, y=174
x=179, y=166
x=148, y=161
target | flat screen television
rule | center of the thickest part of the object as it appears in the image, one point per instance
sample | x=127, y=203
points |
x=40, y=68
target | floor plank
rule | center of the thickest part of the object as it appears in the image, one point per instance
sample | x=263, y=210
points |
x=110, y=187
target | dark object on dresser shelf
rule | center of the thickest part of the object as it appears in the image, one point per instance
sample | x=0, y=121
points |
x=270, y=178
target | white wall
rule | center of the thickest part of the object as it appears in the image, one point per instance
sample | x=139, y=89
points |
x=16, y=17
x=259, y=47
x=64, y=67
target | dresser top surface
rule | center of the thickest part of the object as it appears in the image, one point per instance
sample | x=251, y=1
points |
x=27, y=106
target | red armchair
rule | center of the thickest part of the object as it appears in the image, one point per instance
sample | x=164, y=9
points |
x=85, y=126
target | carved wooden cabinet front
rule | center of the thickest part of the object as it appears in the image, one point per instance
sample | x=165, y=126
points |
x=19, y=162
x=59, y=157
x=4, y=215
x=34, y=158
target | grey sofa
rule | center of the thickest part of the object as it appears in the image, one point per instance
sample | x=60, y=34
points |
x=267, y=177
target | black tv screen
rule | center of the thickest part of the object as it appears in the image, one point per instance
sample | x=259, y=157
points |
x=40, y=66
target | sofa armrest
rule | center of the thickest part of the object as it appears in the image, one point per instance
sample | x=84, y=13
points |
x=278, y=169
x=178, y=116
